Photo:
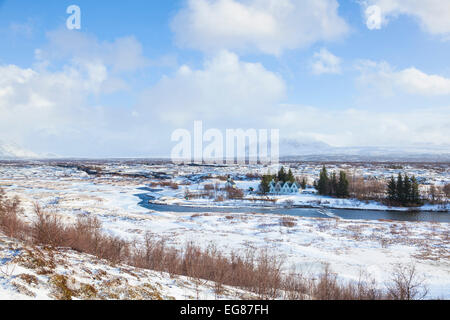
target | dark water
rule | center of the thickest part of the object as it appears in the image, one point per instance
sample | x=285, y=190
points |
x=305, y=212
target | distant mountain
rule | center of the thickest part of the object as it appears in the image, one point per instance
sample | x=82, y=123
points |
x=10, y=150
x=319, y=151
x=291, y=147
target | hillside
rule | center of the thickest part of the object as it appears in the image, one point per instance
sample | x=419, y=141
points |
x=28, y=272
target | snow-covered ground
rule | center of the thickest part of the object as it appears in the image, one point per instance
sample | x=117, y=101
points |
x=42, y=273
x=349, y=247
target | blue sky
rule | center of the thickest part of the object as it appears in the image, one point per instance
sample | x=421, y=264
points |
x=138, y=70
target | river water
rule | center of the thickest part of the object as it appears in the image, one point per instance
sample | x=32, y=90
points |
x=305, y=212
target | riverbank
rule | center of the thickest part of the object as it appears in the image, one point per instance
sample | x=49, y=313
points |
x=208, y=204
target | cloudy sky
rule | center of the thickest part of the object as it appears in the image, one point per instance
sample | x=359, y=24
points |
x=340, y=72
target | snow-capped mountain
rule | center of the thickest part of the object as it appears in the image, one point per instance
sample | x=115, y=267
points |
x=9, y=150
x=300, y=150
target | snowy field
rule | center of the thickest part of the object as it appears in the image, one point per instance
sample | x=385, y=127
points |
x=350, y=247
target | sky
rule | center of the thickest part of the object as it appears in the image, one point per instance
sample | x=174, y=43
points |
x=344, y=73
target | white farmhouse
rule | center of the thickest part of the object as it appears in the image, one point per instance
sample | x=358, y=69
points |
x=283, y=188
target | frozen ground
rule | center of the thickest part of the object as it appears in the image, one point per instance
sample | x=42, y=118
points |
x=349, y=247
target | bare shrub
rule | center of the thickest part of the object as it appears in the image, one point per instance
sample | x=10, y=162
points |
x=208, y=187
x=366, y=189
x=86, y=236
x=48, y=229
x=406, y=284
x=253, y=176
x=328, y=287
x=169, y=184
x=222, y=178
x=437, y=195
x=10, y=223
x=446, y=190
x=235, y=193
x=296, y=286
x=288, y=222
x=268, y=276
x=219, y=198
x=265, y=199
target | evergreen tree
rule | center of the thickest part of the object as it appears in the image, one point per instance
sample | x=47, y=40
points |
x=333, y=188
x=323, y=184
x=406, y=196
x=265, y=182
x=404, y=191
x=415, y=194
x=290, y=177
x=342, y=189
x=282, y=175
x=392, y=190
x=399, y=188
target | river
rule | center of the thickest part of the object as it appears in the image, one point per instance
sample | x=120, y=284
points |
x=305, y=212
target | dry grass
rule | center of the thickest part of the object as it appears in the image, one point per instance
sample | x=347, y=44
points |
x=265, y=199
x=288, y=222
x=169, y=184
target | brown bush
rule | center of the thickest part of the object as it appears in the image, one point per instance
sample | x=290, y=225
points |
x=366, y=189
x=253, y=176
x=234, y=193
x=48, y=229
x=437, y=195
x=169, y=184
x=219, y=198
x=288, y=222
x=265, y=199
x=10, y=223
x=221, y=178
x=446, y=190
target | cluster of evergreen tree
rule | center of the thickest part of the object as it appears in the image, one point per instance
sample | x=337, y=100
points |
x=282, y=177
x=404, y=191
x=331, y=185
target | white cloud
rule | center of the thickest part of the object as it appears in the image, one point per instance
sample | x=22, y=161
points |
x=268, y=26
x=350, y=127
x=433, y=15
x=122, y=55
x=326, y=62
x=230, y=93
x=57, y=101
x=411, y=80
x=225, y=93
x=226, y=89
x=33, y=99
